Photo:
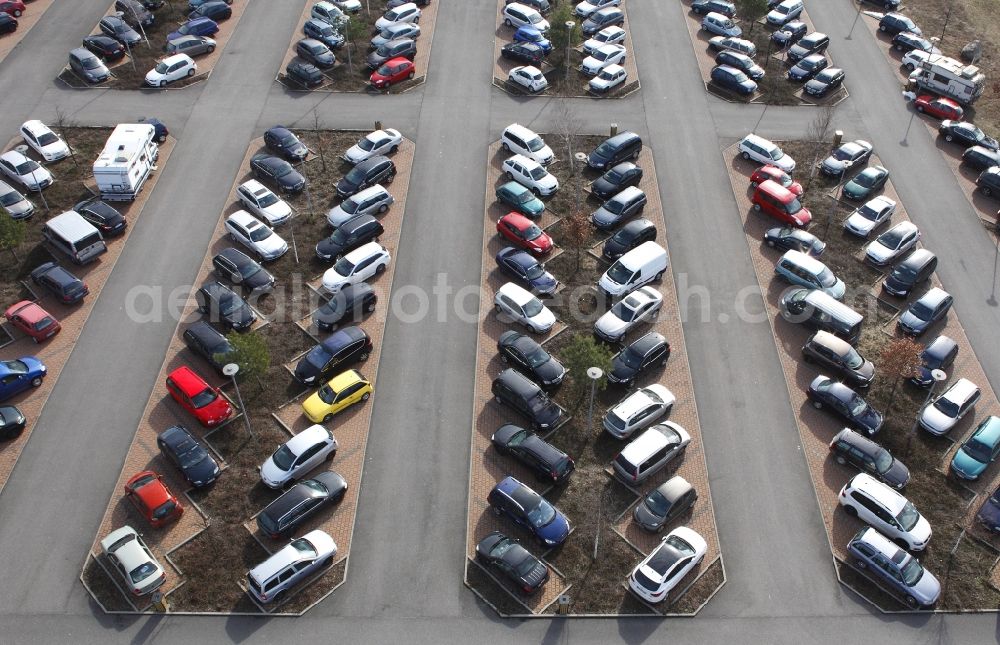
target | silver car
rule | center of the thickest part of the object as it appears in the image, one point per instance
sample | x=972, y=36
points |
x=14, y=203
x=191, y=45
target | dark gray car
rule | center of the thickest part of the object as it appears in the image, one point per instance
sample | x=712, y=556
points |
x=191, y=45
x=401, y=47
x=88, y=66
x=239, y=268
x=315, y=52
x=284, y=514
x=665, y=503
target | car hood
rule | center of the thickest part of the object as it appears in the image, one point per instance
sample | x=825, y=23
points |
x=545, y=319
x=22, y=207
x=935, y=421
x=911, y=322
x=35, y=366
x=203, y=472
x=611, y=324
x=242, y=317
x=315, y=407
x=550, y=371
x=271, y=244
x=555, y=531
x=871, y=421
x=859, y=224
x=328, y=249
x=534, y=207
x=645, y=517
x=355, y=154
x=620, y=371
x=333, y=281
x=989, y=142
x=614, y=249
x=897, y=476
x=927, y=590
x=989, y=514
x=591, y=63
x=604, y=217
x=345, y=187
x=967, y=465
x=855, y=190
x=545, y=284
x=876, y=251
x=277, y=211
x=336, y=216
x=56, y=148
x=534, y=577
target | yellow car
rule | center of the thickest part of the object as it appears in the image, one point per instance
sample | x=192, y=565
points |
x=342, y=391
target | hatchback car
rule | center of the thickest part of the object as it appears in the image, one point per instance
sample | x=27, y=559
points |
x=939, y=107
x=808, y=67
x=515, y=304
x=527, y=53
x=534, y=36
x=195, y=27
x=347, y=346
x=336, y=395
x=191, y=45
x=304, y=73
x=300, y=502
x=548, y=463
x=31, y=319
x=789, y=34
x=529, y=510
x=527, y=270
x=151, y=497
x=524, y=233
x=988, y=181
x=170, y=69
x=526, y=355
x=885, y=509
x=239, y=269
x=283, y=141
x=379, y=142
x=642, y=305
x=925, y=311
x=826, y=81
x=812, y=43
x=725, y=7
x=608, y=36
x=299, y=560
x=664, y=504
x=638, y=357
x=721, y=25
x=624, y=205
x=784, y=12
x=628, y=237
x=394, y=71
x=12, y=422
x=204, y=402
x=894, y=567
x=786, y=238
x=88, y=65
x=978, y=451
x=374, y=170
x=529, y=78
x=521, y=199
x=398, y=48
x=216, y=10
x=350, y=304
x=66, y=287
x=20, y=374
x=220, y=303
x=893, y=244
x=777, y=175
x=133, y=560
x=394, y=31
x=117, y=28
x=103, y=216
x=663, y=569
x=827, y=394
x=315, y=52
x=361, y=264
x=849, y=447
x=839, y=356
x=515, y=390
x=938, y=355
x=601, y=19
x=513, y=561
x=966, y=134
x=870, y=216
x=277, y=170
x=297, y=456
x=733, y=79
x=914, y=270
x=406, y=12
x=607, y=79
x=638, y=410
x=949, y=407
x=106, y=48
x=185, y=452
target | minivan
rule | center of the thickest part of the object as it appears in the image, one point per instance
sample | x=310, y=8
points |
x=272, y=578
x=914, y=270
x=817, y=310
x=622, y=146
x=650, y=451
x=620, y=207
x=75, y=236
x=772, y=198
x=642, y=265
x=519, y=140
x=806, y=271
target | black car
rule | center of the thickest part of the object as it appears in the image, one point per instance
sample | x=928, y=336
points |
x=826, y=393
x=615, y=180
x=285, y=514
x=65, y=286
x=239, y=268
x=849, y=447
x=12, y=422
x=222, y=303
x=8, y=23
x=279, y=171
x=347, y=346
x=348, y=305
x=524, y=395
x=981, y=158
x=103, y=216
x=527, y=270
x=668, y=501
x=283, y=141
x=702, y=7
x=216, y=10
x=789, y=34
x=914, y=270
x=524, y=353
x=829, y=79
x=629, y=236
x=622, y=146
x=194, y=4
x=315, y=52
x=939, y=355
x=208, y=342
x=374, y=170
x=808, y=67
x=785, y=238
x=356, y=231
x=105, y=47
x=808, y=45
x=893, y=23
x=196, y=464
x=838, y=355
x=399, y=47
x=527, y=53
x=513, y=561
x=989, y=512
x=891, y=5
x=135, y=12
x=906, y=41
x=988, y=181
x=637, y=358
x=547, y=462
x=733, y=79
x=160, y=130
x=966, y=134
x=120, y=30
x=305, y=74
x=392, y=4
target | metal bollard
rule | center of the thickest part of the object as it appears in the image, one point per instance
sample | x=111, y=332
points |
x=838, y=136
x=562, y=606
x=378, y=125
x=614, y=129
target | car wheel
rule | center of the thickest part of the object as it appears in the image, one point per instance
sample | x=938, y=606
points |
x=410, y=75
x=37, y=381
x=393, y=149
x=327, y=562
x=328, y=418
x=363, y=356
x=756, y=207
x=861, y=564
x=911, y=602
x=898, y=48
x=910, y=66
x=161, y=138
x=817, y=404
x=366, y=396
x=659, y=276
x=948, y=137
x=497, y=511
x=330, y=455
x=508, y=23
x=850, y=510
x=901, y=543
x=379, y=269
x=497, y=309
x=920, y=108
x=370, y=308
x=504, y=359
x=770, y=243
x=987, y=190
x=163, y=83
x=383, y=208
x=840, y=460
x=883, y=28
x=389, y=178
x=211, y=48
x=746, y=156
x=510, y=176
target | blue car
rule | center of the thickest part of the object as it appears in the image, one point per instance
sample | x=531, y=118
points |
x=532, y=35
x=527, y=270
x=196, y=27
x=18, y=375
x=978, y=451
x=529, y=509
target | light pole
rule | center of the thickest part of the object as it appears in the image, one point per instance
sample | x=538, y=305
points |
x=996, y=256
x=855, y=22
x=230, y=370
x=569, y=41
x=909, y=96
x=594, y=374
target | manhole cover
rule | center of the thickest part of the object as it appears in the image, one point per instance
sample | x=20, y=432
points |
x=580, y=156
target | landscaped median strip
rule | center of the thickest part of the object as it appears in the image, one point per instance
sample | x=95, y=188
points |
x=949, y=505
x=233, y=502
x=620, y=548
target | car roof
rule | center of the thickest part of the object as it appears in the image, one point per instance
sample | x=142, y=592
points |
x=177, y=58
x=857, y=440
x=245, y=218
x=988, y=431
x=940, y=347
x=879, y=542
x=962, y=390
x=362, y=195
x=520, y=493
x=519, y=130
x=236, y=256
x=364, y=251
x=286, y=555
x=831, y=342
x=31, y=312
x=934, y=296
x=641, y=255
x=516, y=293
x=34, y=126
x=356, y=222
x=651, y=440
x=307, y=438
x=188, y=380
x=343, y=337
x=205, y=332
x=643, y=345
x=153, y=492
x=674, y=488
x=176, y=434
x=873, y=488
x=628, y=193
x=254, y=186
x=633, y=404
x=518, y=382
x=807, y=262
x=345, y=379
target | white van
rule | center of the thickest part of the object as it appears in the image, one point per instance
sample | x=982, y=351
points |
x=638, y=267
x=75, y=236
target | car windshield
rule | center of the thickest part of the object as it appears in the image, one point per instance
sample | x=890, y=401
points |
x=281, y=169
x=43, y=323
x=825, y=76
x=619, y=273
x=826, y=277
x=614, y=206
x=343, y=267
x=537, y=357
x=26, y=167
x=630, y=358
x=537, y=173
x=623, y=311
x=533, y=307
x=283, y=458
x=339, y=236
x=978, y=450
x=657, y=503
x=204, y=397
x=868, y=213
x=912, y=572
x=812, y=64
x=921, y=310
x=9, y=199
x=259, y=233
x=604, y=55
x=525, y=566
x=193, y=456
x=326, y=393
x=904, y=273
x=776, y=153
x=535, y=18
x=303, y=546
x=536, y=144
x=908, y=517
x=162, y=67
x=318, y=357
x=349, y=206
x=606, y=75
x=366, y=144
x=163, y=510
x=383, y=50
x=541, y=514
x=857, y=405
x=739, y=77
x=517, y=439
x=883, y=461
x=947, y=406
x=249, y=269
x=534, y=272
x=385, y=70
x=793, y=206
x=47, y=138
x=16, y=367
x=289, y=141
x=184, y=29
x=522, y=197
x=532, y=231
x=853, y=359
x=142, y=572
x=892, y=239
x=865, y=179
x=614, y=176
x=230, y=304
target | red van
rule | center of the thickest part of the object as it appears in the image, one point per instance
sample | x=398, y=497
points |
x=780, y=203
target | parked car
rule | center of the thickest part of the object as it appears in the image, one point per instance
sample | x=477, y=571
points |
x=25, y=171
x=151, y=497
x=584, y=9
x=336, y=395
x=517, y=15
x=283, y=141
x=893, y=244
x=548, y=463
x=649, y=452
x=297, y=561
x=938, y=355
x=808, y=67
x=725, y=7
x=88, y=65
x=978, y=451
x=350, y=235
x=513, y=561
x=220, y=303
x=914, y=270
x=517, y=391
x=642, y=305
x=803, y=270
x=622, y=206
x=870, y=216
x=515, y=304
x=324, y=32
x=527, y=270
x=664, y=504
x=780, y=203
x=666, y=565
x=263, y=203
x=350, y=304
x=989, y=512
x=191, y=45
x=731, y=43
x=759, y=149
x=526, y=355
x=374, y=200
x=825, y=393
x=529, y=78
x=13, y=8
x=329, y=13
x=8, y=23
x=19, y=374
x=31, y=319
x=784, y=12
x=521, y=199
x=628, y=237
x=297, y=456
x=719, y=24
x=893, y=23
x=733, y=79
x=374, y=170
x=613, y=150
x=949, y=407
x=906, y=41
x=601, y=19
x=777, y=175
x=204, y=402
x=607, y=79
x=638, y=410
x=883, y=508
x=789, y=34
x=277, y=170
x=195, y=27
x=989, y=181
x=741, y=62
x=394, y=31
x=867, y=182
x=602, y=57
x=966, y=134
x=533, y=35
x=349, y=345
x=44, y=141
x=524, y=52
x=133, y=560
x=66, y=287
x=529, y=510
x=787, y=238
x=837, y=355
x=849, y=447
x=914, y=58
x=829, y=79
x=640, y=356
x=238, y=268
x=304, y=73
x=216, y=10
x=925, y=311
x=894, y=567
x=361, y=264
x=939, y=107
x=209, y=343
x=398, y=48
x=407, y=12
x=380, y=142
x=981, y=158
x=524, y=233
x=812, y=43
x=315, y=52
x=117, y=28
x=613, y=35
x=394, y=71
x=300, y=502
x=12, y=422
x=256, y=236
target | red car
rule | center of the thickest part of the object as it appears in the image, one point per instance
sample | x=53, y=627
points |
x=12, y=7
x=939, y=107
x=394, y=70
x=199, y=398
x=33, y=320
x=153, y=499
x=524, y=233
x=775, y=174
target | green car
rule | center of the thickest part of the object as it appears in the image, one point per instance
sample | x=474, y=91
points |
x=866, y=182
x=520, y=199
x=978, y=451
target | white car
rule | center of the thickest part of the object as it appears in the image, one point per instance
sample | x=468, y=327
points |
x=584, y=9
x=403, y=13
x=263, y=203
x=530, y=174
x=613, y=35
x=640, y=306
x=25, y=171
x=14, y=203
x=127, y=553
x=891, y=245
x=607, y=79
x=170, y=69
x=297, y=456
x=604, y=56
x=759, y=149
x=638, y=410
x=914, y=58
x=44, y=141
x=392, y=32
x=380, y=142
x=350, y=6
x=942, y=415
x=364, y=262
x=519, y=140
x=529, y=77
x=879, y=506
x=785, y=12
x=522, y=307
x=255, y=235
x=297, y=561
x=329, y=13
x=518, y=15
x=867, y=218
x=663, y=569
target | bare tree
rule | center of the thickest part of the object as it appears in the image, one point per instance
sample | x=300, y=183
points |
x=62, y=122
x=752, y=11
x=569, y=127
x=819, y=135
x=318, y=140
x=574, y=234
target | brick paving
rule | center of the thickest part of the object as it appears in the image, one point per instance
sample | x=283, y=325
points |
x=816, y=428
x=56, y=351
x=350, y=427
x=502, y=66
x=488, y=467
x=28, y=19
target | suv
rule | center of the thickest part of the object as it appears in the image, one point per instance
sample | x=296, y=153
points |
x=622, y=146
x=517, y=139
x=895, y=23
x=548, y=463
x=353, y=233
x=370, y=201
x=305, y=74
x=272, y=578
x=209, y=343
x=369, y=172
x=638, y=410
x=650, y=451
x=838, y=355
x=947, y=409
x=759, y=149
x=346, y=347
x=892, y=514
x=222, y=303
x=239, y=268
x=639, y=357
x=529, y=509
x=894, y=567
x=521, y=393
x=849, y=447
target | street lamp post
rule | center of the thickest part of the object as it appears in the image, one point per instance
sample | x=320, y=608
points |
x=909, y=96
x=848, y=37
x=230, y=370
x=594, y=374
x=996, y=256
x=569, y=41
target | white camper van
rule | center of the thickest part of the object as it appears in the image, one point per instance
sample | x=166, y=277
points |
x=125, y=163
x=951, y=78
